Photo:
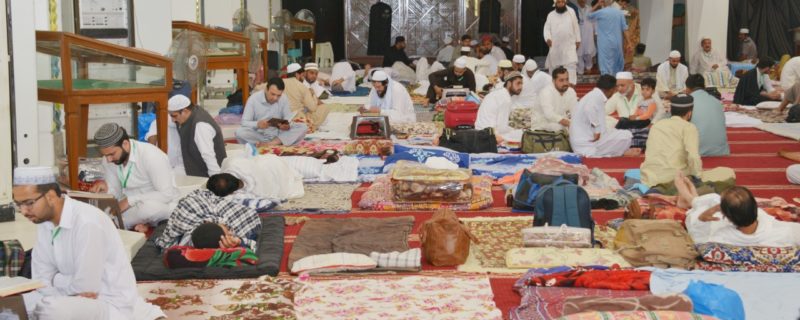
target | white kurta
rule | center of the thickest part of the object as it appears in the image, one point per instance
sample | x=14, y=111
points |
x=563, y=31
x=588, y=119
x=552, y=108
x=663, y=78
x=395, y=104
x=494, y=113
x=587, y=26
x=173, y=144
x=622, y=105
x=266, y=176
x=498, y=53
x=531, y=87
x=316, y=87
x=769, y=233
x=148, y=183
x=343, y=70
x=84, y=254
x=790, y=74
x=445, y=54
x=702, y=62
x=204, y=135
x=488, y=66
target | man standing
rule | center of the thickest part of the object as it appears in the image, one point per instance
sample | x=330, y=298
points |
x=533, y=81
x=707, y=59
x=202, y=145
x=563, y=36
x=556, y=102
x=755, y=86
x=396, y=53
x=671, y=76
x=610, y=25
x=79, y=256
x=267, y=118
x=301, y=100
x=312, y=82
x=457, y=75
x=588, y=134
x=587, y=50
x=709, y=118
x=496, y=109
x=748, y=52
x=138, y=174
x=389, y=98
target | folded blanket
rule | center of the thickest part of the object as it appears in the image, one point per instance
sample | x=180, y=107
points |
x=595, y=279
x=677, y=302
x=724, y=257
x=411, y=259
x=380, y=197
x=523, y=258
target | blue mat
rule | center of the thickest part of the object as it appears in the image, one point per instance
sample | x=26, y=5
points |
x=360, y=92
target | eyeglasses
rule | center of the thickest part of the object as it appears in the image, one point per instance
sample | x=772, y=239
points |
x=18, y=206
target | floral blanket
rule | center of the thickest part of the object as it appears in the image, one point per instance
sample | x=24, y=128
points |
x=416, y=297
x=380, y=197
x=263, y=298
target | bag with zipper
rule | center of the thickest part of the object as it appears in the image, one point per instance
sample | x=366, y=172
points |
x=541, y=141
x=564, y=203
x=528, y=187
x=461, y=115
x=469, y=140
x=445, y=239
x=657, y=243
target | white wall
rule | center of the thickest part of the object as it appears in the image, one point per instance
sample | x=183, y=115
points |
x=707, y=18
x=184, y=10
x=152, y=22
x=5, y=113
x=259, y=10
x=655, y=18
x=219, y=13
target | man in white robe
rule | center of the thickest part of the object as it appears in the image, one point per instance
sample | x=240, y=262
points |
x=587, y=50
x=311, y=81
x=139, y=175
x=495, y=51
x=533, y=81
x=671, y=76
x=563, y=35
x=488, y=63
x=343, y=78
x=389, y=98
x=707, y=59
x=78, y=256
x=588, y=133
x=496, y=109
x=790, y=82
x=626, y=100
x=445, y=54
x=173, y=145
x=519, y=62
x=556, y=103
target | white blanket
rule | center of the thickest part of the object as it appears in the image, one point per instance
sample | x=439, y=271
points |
x=788, y=130
x=267, y=176
x=336, y=127
x=738, y=120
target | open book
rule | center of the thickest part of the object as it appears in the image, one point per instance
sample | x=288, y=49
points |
x=14, y=285
x=104, y=201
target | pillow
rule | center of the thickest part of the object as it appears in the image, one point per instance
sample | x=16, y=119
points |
x=333, y=262
x=410, y=259
x=421, y=154
x=188, y=257
x=763, y=259
x=768, y=105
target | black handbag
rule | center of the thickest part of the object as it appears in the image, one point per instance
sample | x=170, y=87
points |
x=469, y=140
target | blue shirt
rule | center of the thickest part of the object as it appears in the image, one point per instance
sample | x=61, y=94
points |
x=708, y=116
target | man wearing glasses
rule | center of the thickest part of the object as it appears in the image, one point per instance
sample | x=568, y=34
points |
x=78, y=256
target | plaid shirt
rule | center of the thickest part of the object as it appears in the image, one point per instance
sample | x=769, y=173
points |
x=12, y=257
x=202, y=206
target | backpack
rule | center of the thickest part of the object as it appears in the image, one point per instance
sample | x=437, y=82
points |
x=530, y=183
x=469, y=140
x=445, y=239
x=563, y=203
x=658, y=243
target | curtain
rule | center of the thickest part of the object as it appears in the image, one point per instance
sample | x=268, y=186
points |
x=534, y=14
x=769, y=22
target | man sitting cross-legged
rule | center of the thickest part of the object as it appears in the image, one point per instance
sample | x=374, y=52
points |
x=267, y=118
x=732, y=218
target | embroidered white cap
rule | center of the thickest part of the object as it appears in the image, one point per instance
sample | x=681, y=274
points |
x=624, y=75
x=675, y=54
x=379, y=75
x=465, y=49
x=530, y=65
x=311, y=66
x=460, y=63
x=294, y=67
x=518, y=58
x=505, y=64
x=178, y=102
x=27, y=176
x=744, y=30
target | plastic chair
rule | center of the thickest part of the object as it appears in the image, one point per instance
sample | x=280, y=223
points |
x=294, y=55
x=324, y=53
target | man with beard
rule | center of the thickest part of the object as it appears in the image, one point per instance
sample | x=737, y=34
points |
x=707, y=59
x=495, y=51
x=202, y=144
x=78, y=256
x=671, y=76
x=267, y=118
x=563, y=36
x=316, y=85
x=496, y=109
x=625, y=101
x=519, y=62
x=488, y=64
x=556, y=102
x=389, y=98
x=457, y=75
x=137, y=174
x=589, y=135
x=533, y=81
x=303, y=103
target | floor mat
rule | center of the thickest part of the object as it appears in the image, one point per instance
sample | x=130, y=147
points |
x=788, y=130
x=321, y=198
x=414, y=297
x=264, y=298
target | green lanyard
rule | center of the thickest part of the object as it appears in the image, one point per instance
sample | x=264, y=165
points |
x=55, y=234
x=124, y=180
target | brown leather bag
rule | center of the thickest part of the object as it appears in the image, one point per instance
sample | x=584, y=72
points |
x=445, y=240
x=658, y=243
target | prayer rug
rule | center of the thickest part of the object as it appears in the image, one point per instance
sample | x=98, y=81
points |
x=264, y=298
x=788, y=130
x=768, y=116
x=321, y=198
x=415, y=297
x=380, y=197
x=343, y=108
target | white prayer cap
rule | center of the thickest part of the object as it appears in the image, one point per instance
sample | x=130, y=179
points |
x=518, y=58
x=460, y=63
x=530, y=65
x=379, y=75
x=474, y=43
x=505, y=64
x=27, y=176
x=466, y=49
x=294, y=67
x=178, y=102
x=505, y=39
x=624, y=75
x=311, y=66
x=744, y=30
x=675, y=54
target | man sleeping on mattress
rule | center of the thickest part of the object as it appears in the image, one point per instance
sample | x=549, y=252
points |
x=206, y=220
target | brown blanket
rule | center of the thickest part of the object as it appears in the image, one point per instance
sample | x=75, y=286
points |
x=351, y=235
x=677, y=302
